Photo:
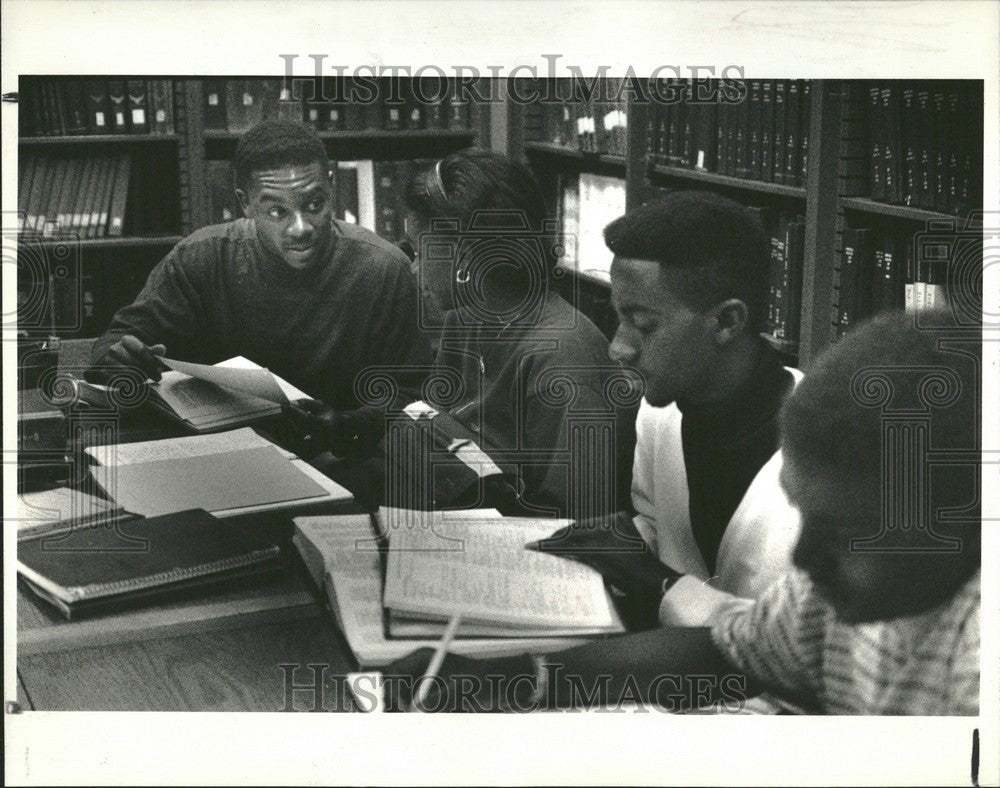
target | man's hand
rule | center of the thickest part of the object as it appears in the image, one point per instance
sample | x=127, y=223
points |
x=613, y=547
x=131, y=352
x=462, y=684
x=313, y=425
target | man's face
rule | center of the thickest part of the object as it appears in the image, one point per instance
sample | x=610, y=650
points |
x=667, y=341
x=863, y=582
x=292, y=208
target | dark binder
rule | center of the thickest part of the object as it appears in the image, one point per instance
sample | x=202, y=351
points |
x=214, y=106
x=119, y=106
x=136, y=561
x=98, y=106
x=877, y=171
x=767, y=130
x=779, y=137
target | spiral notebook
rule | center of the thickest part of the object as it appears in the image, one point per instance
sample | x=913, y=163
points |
x=91, y=570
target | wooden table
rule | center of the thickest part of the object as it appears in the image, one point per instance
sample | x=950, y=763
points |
x=221, y=652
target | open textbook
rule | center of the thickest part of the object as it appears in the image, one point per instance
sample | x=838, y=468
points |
x=227, y=473
x=342, y=556
x=208, y=397
x=442, y=563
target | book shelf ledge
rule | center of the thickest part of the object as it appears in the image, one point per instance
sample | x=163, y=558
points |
x=745, y=184
x=361, y=134
x=102, y=243
x=97, y=138
x=869, y=206
x=564, y=151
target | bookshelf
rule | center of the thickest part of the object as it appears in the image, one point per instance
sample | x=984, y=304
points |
x=825, y=188
x=169, y=193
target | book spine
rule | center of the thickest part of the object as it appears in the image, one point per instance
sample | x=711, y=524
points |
x=767, y=131
x=119, y=106
x=780, y=123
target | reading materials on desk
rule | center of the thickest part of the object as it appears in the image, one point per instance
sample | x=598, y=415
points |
x=39, y=511
x=113, y=568
x=226, y=473
x=341, y=555
x=208, y=397
x=441, y=564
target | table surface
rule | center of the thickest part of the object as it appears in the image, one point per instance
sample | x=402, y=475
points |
x=221, y=651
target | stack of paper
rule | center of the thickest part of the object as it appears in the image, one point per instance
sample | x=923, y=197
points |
x=226, y=474
x=210, y=397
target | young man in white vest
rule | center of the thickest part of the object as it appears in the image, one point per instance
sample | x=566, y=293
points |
x=690, y=284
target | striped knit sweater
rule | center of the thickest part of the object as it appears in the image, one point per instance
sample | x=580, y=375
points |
x=790, y=641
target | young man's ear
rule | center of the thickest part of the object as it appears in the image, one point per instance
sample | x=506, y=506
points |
x=730, y=320
x=244, y=201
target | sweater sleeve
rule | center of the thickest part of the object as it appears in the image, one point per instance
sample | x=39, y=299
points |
x=168, y=311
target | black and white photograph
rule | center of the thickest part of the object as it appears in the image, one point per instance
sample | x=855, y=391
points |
x=501, y=393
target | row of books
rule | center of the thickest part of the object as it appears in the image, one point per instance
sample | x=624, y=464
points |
x=368, y=193
x=336, y=104
x=756, y=128
x=56, y=107
x=82, y=195
x=878, y=270
x=787, y=233
x=593, y=119
x=918, y=143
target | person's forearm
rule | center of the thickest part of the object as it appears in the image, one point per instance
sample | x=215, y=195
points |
x=676, y=669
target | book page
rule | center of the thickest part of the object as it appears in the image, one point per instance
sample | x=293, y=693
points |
x=60, y=503
x=351, y=578
x=481, y=570
x=180, y=448
x=290, y=391
x=200, y=402
x=256, y=381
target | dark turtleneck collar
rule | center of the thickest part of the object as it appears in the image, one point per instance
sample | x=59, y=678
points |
x=755, y=400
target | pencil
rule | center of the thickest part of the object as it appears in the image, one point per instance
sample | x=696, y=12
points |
x=436, y=661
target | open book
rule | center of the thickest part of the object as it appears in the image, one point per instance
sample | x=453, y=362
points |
x=227, y=473
x=210, y=397
x=341, y=554
x=443, y=563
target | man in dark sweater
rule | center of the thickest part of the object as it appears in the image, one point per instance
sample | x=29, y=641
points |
x=290, y=287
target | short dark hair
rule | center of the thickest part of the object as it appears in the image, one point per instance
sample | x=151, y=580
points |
x=474, y=180
x=718, y=245
x=833, y=420
x=277, y=143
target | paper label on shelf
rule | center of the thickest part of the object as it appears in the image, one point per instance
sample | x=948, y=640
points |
x=138, y=117
x=313, y=115
x=99, y=119
x=161, y=116
x=213, y=99
x=247, y=100
x=120, y=118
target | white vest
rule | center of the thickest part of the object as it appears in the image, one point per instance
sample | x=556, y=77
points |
x=756, y=546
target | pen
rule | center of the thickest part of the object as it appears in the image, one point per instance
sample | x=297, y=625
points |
x=436, y=661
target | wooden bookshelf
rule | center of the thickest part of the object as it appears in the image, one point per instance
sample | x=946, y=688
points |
x=742, y=184
x=909, y=213
x=97, y=139
x=828, y=200
x=180, y=164
x=129, y=242
x=365, y=134
x=575, y=155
